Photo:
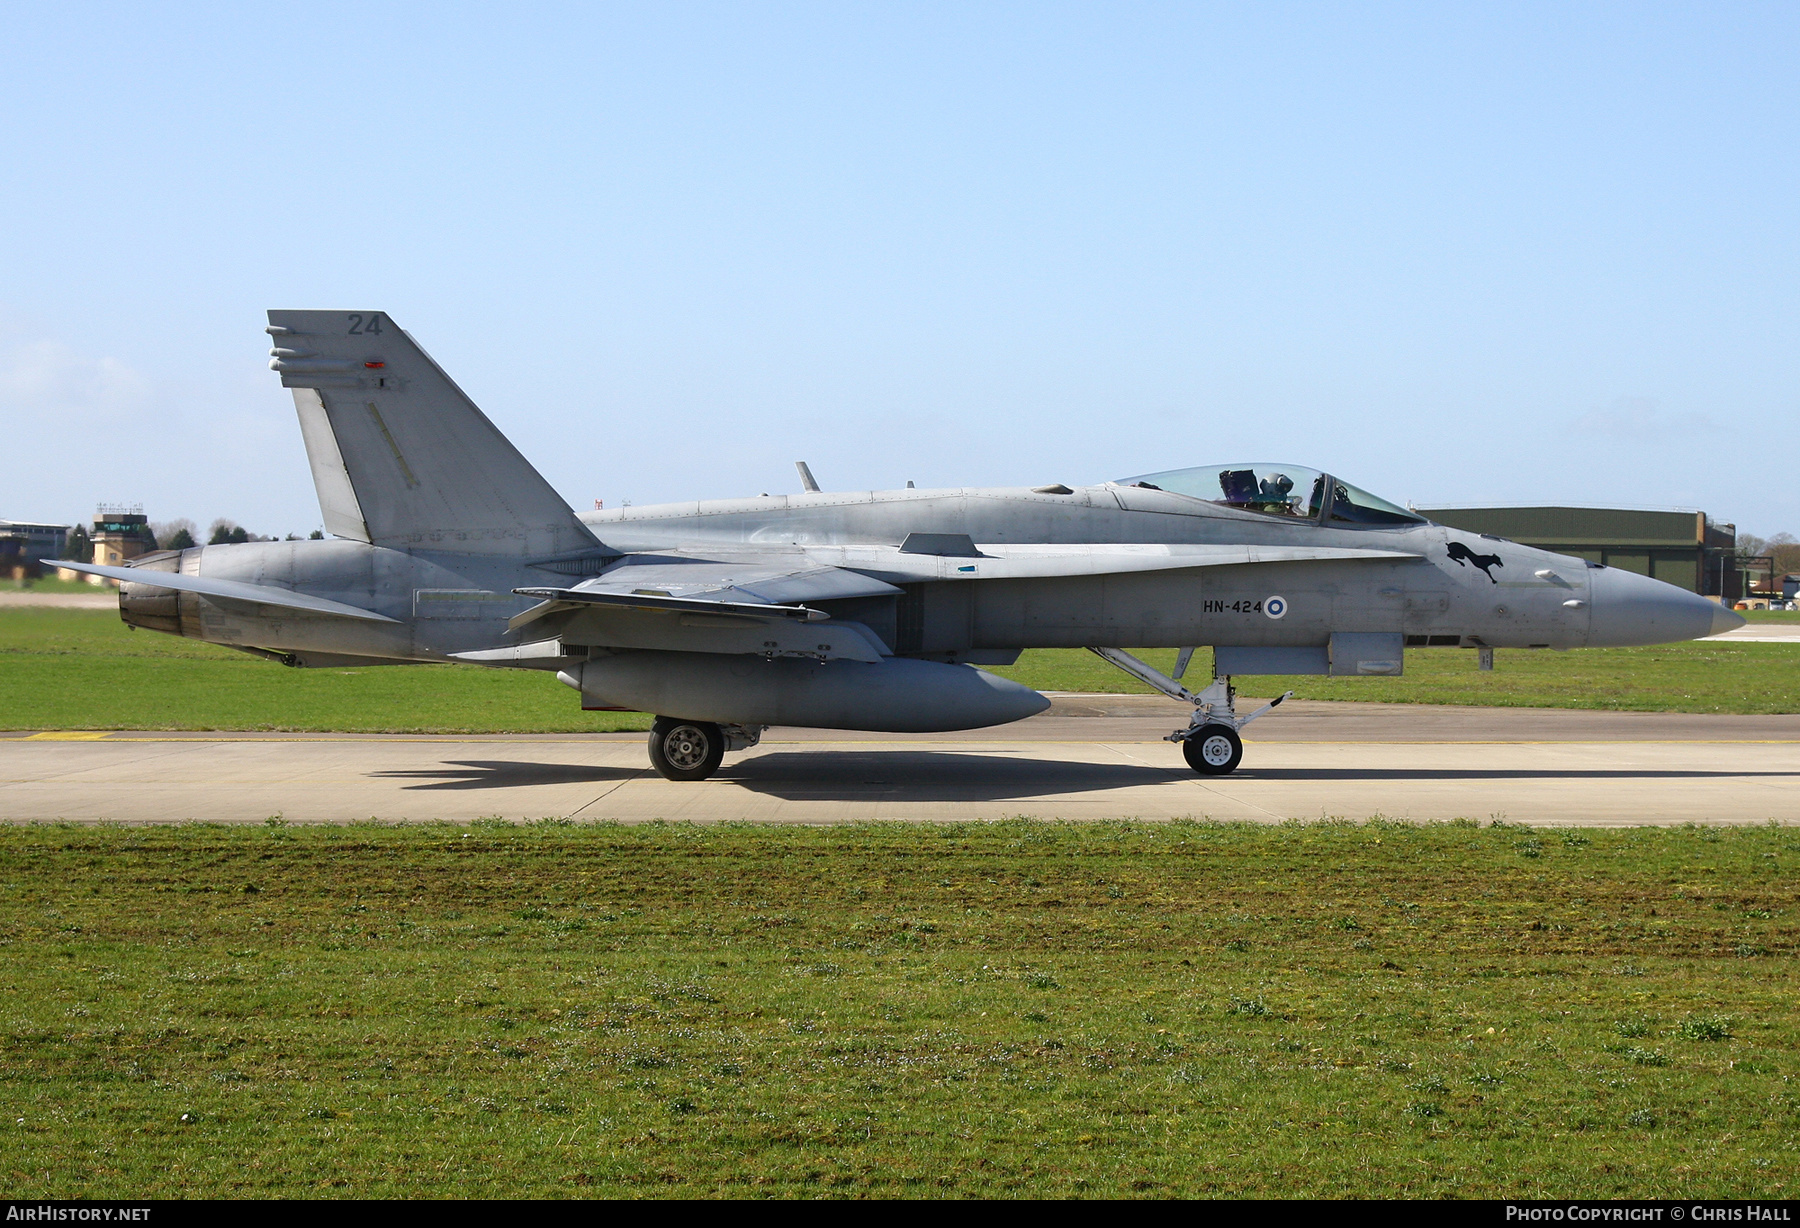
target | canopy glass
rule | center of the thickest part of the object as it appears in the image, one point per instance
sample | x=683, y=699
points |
x=1292, y=492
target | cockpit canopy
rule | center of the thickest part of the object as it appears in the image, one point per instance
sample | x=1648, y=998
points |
x=1292, y=492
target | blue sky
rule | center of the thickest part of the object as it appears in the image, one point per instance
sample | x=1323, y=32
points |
x=1455, y=253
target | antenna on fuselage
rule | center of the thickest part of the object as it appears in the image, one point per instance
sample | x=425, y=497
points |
x=806, y=477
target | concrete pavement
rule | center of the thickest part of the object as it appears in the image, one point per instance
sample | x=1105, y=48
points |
x=1761, y=633
x=103, y=598
x=1090, y=757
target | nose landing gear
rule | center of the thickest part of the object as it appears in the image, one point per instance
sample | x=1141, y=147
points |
x=1210, y=743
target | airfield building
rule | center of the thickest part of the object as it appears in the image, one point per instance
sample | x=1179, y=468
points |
x=24, y=545
x=1684, y=548
x=119, y=534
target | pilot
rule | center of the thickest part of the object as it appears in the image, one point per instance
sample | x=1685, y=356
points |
x=1276, y=491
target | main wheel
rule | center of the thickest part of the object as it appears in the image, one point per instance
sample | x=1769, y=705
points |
x=685, y=750
x=1214, y=750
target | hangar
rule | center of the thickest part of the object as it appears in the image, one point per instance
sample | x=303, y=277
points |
x=1684, y=548
x=25, y=544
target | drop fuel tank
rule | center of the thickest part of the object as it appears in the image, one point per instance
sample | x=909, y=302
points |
x=894, y=695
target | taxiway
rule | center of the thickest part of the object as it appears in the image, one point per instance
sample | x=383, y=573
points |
x=1089, y=757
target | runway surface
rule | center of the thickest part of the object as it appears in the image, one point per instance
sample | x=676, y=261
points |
x=103, y=598
x=1760, y=633
x=1090, y=757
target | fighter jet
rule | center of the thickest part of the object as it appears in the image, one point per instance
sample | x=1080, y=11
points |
x=866, y=610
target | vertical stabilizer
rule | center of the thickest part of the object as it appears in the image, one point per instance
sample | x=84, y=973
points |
x=399, y=455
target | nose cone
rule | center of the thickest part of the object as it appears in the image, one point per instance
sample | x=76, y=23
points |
x=1725, y=620
x=1629, y=609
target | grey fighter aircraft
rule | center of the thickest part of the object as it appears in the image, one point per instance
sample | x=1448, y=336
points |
x=861, y=610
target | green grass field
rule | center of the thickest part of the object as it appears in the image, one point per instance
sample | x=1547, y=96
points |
x=52, y=585
x=1014, y=1009
x=84, y=669
x=1692, y=677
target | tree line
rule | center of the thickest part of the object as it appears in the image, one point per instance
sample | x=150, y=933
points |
x=1783, y=548
x=180, y=534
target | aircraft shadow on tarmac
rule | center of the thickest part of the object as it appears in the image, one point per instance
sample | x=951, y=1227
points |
x=921, y=776
x=1497, y=774
x=505, y=774
x=916, y=776
x=930, y=776
x=926, y=776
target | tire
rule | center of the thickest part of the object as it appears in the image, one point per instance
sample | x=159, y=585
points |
x=685, y=750
x=1213, y=750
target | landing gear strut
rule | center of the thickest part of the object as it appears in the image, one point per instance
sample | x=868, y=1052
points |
x=1210, y=743
x=692, y=750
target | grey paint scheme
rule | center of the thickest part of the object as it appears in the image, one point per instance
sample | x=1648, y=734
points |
x=899, y=695
x=439, y=519
x=393, y=443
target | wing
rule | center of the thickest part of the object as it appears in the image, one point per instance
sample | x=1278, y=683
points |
x=233, y=590
x=694, y=605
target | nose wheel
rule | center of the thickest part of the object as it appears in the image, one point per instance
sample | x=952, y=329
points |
x=1213, y=750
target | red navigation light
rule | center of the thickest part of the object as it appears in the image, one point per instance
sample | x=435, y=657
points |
x=374, y=366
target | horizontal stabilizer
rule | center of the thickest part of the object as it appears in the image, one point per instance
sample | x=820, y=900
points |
x=233, y=590
x=540, y=654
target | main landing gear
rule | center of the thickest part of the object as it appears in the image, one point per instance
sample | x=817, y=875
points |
x=1210, y=743
x=693, y=750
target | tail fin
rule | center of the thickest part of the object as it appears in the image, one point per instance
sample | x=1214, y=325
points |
x=400, y=456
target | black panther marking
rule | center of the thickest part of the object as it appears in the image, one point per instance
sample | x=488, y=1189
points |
x=1462, y=554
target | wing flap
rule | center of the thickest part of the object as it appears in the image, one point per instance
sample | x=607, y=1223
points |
x=677, y=604
x=755, y=581
x=557, y=600
x=665, y=629
x=752, y=587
